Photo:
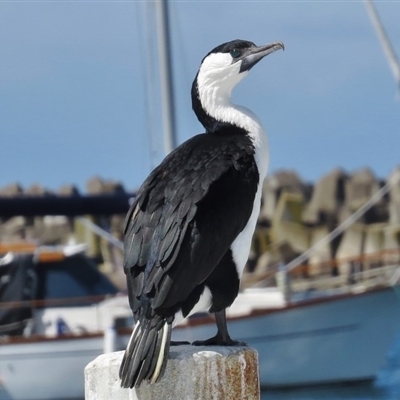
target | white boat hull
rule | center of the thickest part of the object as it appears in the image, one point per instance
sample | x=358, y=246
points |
x=331, y=340
x=49, y=369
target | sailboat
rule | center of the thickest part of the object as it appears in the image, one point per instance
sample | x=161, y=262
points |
x=337, y=332
x=333, y=330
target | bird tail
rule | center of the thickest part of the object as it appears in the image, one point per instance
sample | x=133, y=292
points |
x=146, y=355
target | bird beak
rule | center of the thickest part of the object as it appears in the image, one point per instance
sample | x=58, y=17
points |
x=254, y=55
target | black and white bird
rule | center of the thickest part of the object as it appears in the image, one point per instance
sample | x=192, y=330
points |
x=188, y=232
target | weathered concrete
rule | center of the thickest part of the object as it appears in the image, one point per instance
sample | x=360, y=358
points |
x=319, y=259
x=394, y=205
x=274, y=185
x=192, y=373
x=359, y=187
x=286, y=223
x=350, y=246
x=293, y=212
x=326, y=199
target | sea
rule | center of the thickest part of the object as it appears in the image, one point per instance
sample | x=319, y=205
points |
x=385, y=387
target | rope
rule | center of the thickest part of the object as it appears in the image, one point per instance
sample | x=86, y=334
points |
x=346, y=223
x=102, y=233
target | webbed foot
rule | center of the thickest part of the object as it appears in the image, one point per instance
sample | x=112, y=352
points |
x=178, y=343
x=217, y=340
x=222, y=337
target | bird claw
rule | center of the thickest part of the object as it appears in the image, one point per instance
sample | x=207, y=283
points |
x=178, y=343
x=218, y=341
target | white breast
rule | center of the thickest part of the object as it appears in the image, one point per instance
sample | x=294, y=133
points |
x=215, y=84
x=241, y=245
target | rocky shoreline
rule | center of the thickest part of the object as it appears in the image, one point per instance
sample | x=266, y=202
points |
x=295, y=215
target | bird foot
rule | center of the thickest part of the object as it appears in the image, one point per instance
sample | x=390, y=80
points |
x=219, y=341
x=178, y=343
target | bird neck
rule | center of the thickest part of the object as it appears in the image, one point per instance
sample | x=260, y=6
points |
x=214, y=109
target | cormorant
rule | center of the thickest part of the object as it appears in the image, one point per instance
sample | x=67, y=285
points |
x=188, y=233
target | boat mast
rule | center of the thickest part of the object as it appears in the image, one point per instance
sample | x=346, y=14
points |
x=385, y=42
x=167, y=94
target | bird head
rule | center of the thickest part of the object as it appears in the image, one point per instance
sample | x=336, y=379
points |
x=231, y=61
x=222, y=69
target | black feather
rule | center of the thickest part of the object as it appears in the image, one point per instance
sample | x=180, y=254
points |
x=181, y=225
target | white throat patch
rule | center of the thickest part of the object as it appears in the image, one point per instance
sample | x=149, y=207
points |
x=216, y=79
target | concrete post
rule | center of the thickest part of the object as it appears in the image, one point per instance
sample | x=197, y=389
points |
x=192, y=373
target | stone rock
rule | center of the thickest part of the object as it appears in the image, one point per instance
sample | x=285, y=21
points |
x=52, y=230
x=287, y=226
x=68, y=190
x=97, y=185
x=13, y=230
x=319, y=262
x=326, y=199
x=274, y=185
x=37, y=190
x=394, y=204
x=351, y=246
x=192, y=373
x=359, y=187
x=14, y=189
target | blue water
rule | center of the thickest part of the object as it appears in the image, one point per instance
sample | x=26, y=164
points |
x=385, y=387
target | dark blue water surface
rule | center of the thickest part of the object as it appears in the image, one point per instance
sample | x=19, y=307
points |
x=385, y=387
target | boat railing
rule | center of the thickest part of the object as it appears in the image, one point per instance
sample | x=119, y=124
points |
x=342, y=275
x=332, y=266
x=358, y=281
x=340, y=265
x=55, y=302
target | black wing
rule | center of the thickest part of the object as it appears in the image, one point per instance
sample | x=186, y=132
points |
x=185, y=217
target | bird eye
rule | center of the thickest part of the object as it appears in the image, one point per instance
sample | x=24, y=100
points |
x=235, y=53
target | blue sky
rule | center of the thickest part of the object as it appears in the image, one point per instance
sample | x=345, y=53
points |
x=77, y=79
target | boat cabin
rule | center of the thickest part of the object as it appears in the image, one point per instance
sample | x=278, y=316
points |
x=39, y=289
